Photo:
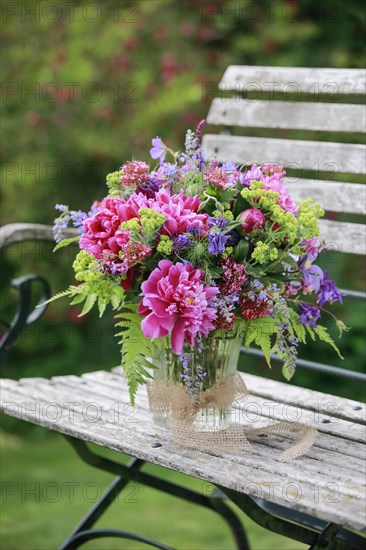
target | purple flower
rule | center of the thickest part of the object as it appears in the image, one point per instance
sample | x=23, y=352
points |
x=199, y=129
x=253, y=174
x=312, y=276
x=311, y=248
x=62, y=208
x=181, y=241
x=151, y=186
x=309, y=314
x=59, y=226
x=77, y=217
x=217, y=243
x=228, y=166
x=220, y=223
x=328, y=291
x=158, y=149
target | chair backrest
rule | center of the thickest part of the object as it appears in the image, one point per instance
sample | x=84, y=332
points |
x=285, y=100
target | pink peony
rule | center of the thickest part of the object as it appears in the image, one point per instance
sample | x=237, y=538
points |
x=176, y=301
x=99, y=230
x=251, y=220
x=181, y=212
x=103, y=237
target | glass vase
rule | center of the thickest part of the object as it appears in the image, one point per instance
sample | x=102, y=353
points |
x=198, y=369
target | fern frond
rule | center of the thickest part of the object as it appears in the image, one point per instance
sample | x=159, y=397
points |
x=68, y=292
x=323, y=334
x=90, y=300
x=136, y=349
x=260, y=332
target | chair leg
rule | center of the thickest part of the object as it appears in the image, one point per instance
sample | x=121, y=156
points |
x=83, y=532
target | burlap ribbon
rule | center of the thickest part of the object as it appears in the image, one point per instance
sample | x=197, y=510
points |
x=173, y=399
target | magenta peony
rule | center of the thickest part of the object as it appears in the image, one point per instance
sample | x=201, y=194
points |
x=251, y=220
x=181, y=212
x=176, y=301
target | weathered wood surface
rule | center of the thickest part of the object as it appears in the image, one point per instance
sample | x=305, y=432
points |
x=325, y=117
x=300, y=80
x=13, y=233
x=344, y=236
x=319, y=156
x=334, y=196
x=328, y=483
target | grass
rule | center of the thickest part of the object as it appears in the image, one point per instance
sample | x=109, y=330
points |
x=46, y=490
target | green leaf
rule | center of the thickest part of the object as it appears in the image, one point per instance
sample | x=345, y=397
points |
x=241, y=250
x=323, y=335
x=78, y=298
x=102, y=304
x=240, y=205
x=311, y=332
x=66, y=242
x=288, y=370
x=89, y=302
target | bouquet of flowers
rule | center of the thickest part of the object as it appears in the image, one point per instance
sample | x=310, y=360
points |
x=191, y=248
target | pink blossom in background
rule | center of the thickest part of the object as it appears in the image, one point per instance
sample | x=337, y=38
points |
x=181, y=212
x=176, y=301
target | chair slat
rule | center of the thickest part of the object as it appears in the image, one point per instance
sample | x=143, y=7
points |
x=280, y=114
x=333, y=196
x=344, y=236
x=286, y=80
x=297, y=154
x=17, y=232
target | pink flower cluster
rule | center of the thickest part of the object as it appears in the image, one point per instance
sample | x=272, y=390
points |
x=176, y=301
x=217, y=178
x=233, y=277
x=134, y=173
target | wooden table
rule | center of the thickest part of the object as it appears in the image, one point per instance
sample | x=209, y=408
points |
x=328, y=483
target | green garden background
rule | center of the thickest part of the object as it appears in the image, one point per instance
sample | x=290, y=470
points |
x=86, y=85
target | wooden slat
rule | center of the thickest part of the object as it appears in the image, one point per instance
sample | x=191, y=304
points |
x=17, y=232
x=291, y=79
x=344, y=236
x=36, y=400
x=333, y=196
x=297, y=154
x=326, y=117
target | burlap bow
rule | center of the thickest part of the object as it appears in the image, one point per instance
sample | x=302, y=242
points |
x=173, y=399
